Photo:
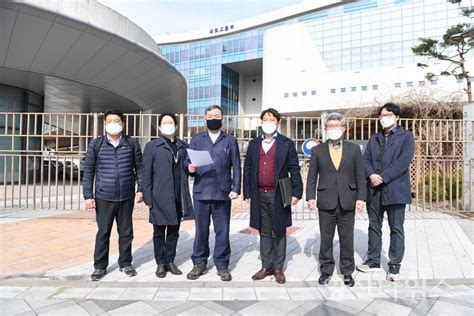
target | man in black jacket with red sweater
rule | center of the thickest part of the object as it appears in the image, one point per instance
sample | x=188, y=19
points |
x=269, y=158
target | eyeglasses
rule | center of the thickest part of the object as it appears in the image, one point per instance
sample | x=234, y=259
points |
x=386, y=115
x=118, y=121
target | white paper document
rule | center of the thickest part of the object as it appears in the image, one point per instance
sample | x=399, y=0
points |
x=200, y=157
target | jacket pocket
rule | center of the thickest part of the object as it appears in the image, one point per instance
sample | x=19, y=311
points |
x=352, y=186
x=197, y=186
x=226, y=185
x=322, y=187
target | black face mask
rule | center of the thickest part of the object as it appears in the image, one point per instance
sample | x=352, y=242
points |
x=214, y=124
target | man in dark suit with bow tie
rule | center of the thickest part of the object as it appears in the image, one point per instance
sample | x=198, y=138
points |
x=340, y=191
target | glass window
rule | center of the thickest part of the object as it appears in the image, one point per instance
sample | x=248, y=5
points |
x=421, y=83
x=333, y=91
x=398, y=85
x=313, y=92
x=303, y=93
x=295, y=94
x=355, y=29
x=286, y=95
x=363, y=88
x=375, y=87
x=343, y=90
x=353, y=89
x=434, y=82
x=409, y=84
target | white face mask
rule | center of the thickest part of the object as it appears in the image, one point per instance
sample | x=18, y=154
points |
x=113, y=128
x=167, y=129
x=387, y=121
x=334, y=134
x=269, y=128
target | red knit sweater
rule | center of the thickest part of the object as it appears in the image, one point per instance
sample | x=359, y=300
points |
x=266, y=169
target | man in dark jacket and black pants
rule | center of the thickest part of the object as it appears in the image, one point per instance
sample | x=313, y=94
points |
x=387, y=162
x=269, y=158
x=215, y=186
x=166, y=192
x=337, y=164
x=113, y=163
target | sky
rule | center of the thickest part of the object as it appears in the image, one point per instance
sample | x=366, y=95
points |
x=160, y=17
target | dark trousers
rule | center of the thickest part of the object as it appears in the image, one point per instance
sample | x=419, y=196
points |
x=220, y=212
x=272, y=247
x=165, y=240
x=396, y=218
x=344, y=220
x=106, y=212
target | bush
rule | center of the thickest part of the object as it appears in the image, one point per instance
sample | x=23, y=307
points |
x=440, y=187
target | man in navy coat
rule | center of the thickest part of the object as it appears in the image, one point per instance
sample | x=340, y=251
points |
x=214, y=187
x=386, y=163
x=269, y=158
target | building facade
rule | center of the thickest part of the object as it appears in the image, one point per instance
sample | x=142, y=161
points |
x=313, y=57
x=74, y=57
x=81, y=56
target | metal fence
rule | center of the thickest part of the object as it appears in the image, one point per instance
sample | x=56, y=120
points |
x=41, y=155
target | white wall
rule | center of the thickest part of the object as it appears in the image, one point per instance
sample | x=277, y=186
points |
x=292, y=64
x=250, y=94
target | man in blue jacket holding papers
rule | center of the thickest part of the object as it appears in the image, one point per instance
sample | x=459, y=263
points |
x=215, y=185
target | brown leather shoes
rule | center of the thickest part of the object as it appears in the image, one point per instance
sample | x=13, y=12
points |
x=262, y=274
x=279, y=276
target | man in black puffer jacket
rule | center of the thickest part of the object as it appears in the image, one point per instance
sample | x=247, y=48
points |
x=114, y=161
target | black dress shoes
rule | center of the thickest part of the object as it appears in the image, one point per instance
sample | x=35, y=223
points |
x=129, y=270
x=172, y=268
x=349, y=281
x=324, y=279
x=98, y=274
x=160, y=270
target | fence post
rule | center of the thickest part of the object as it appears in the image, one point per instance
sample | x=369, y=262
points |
x=95, y=127
x=288, y=127
x=468, y=156
x=181, y=126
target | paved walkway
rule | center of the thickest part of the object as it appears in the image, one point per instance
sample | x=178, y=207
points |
x=46, y=263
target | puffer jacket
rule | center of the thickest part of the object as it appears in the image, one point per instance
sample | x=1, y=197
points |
x=116, y=172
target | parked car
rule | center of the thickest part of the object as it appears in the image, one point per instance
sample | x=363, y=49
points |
x=49, y=166
x=74, y=174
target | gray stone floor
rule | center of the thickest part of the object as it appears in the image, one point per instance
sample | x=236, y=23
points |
x=437, y=248
x=455, y=300
x=437, y=279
